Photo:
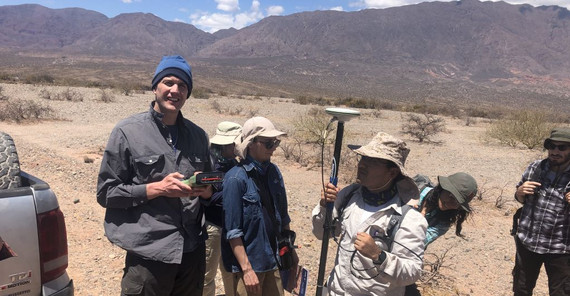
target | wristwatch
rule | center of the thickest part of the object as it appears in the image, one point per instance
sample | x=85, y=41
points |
x=380, y=258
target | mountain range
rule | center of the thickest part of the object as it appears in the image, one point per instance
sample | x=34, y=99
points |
x=460, y=52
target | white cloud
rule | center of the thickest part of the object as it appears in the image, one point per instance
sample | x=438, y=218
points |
x=212, y=22
x=228, y=5
x=337, y=8
x=561, y=3
x=275, y=10
x=388, y=3
x=179, y=20
x=394, y=3
x=127, y=1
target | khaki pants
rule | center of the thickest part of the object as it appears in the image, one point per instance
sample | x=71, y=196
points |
x=270, y=282
x=213, y=261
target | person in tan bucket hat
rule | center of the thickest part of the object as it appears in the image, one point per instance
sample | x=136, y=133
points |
x=367, y=258
x=256, y=214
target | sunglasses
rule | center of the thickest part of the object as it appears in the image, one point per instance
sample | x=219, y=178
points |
x=270, y=144
x=552, y=146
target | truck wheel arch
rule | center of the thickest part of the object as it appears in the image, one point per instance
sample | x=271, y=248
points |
x=9, y=163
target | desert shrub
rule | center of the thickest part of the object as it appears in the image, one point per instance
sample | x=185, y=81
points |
x=305, y=100
x=501, y=199
x=216, y=106
x=422, y=126
x=128, y=89
x=2, y=96
x=526, y=127
x=252, y=112
x=24, y=110
x=201, y=93
x=106, y=96
x=348, y=166
x=66, y=95
x=433, y=263
x=236, y=110
x=293, y=150
x=470, y=121
x=6, y=77
x=358, y=103
x=313, y=127
x=39, y=79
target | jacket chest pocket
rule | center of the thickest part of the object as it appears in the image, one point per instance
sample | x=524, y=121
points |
x=149, y=168
x=193, y=163
x=251, y=202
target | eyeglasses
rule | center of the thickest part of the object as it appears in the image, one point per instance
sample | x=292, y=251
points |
x=552, y=146
x=270, y=144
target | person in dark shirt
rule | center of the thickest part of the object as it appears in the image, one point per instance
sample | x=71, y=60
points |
x=150, y=212
x=222, y=149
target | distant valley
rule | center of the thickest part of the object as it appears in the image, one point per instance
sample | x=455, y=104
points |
x=466, y=53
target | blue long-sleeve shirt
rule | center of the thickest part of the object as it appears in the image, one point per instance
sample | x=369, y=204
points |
x=434, y=229
x=246, y=218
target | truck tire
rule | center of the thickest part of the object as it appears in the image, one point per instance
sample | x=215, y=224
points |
x=9, y=163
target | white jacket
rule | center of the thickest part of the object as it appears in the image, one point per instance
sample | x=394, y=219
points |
x=359, y=276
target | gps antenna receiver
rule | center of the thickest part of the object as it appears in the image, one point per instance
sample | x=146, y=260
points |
x=341, y=115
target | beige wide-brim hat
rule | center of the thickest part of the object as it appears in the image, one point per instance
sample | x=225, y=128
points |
x=226, y=133
x=388, y=147
x=255, y=127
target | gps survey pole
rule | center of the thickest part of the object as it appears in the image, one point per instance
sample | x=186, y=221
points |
x=341, y=115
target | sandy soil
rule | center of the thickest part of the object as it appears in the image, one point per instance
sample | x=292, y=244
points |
x=478, y=264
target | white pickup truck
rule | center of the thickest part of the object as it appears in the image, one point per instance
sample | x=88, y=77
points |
x=33, y=238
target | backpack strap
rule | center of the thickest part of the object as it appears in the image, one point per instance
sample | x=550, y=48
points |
x=346, y=199
x=394, y=224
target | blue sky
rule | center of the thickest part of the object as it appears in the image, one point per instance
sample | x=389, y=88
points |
x=213, y=15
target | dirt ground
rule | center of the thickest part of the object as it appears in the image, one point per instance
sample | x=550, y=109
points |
x=67, y=152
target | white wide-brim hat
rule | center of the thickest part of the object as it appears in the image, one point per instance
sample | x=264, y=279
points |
x=226, y=133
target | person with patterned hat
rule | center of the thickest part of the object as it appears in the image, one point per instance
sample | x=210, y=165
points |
x=222, y=148
x=373, y=258
x=256, y=215
x=150, y=212
x=542, y=236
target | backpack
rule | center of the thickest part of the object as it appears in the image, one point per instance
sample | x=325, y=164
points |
x=393, y=225
x=424, y=184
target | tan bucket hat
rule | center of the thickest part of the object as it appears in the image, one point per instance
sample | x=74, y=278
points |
x=226, y=133
x=388, y=147
x=255, y=127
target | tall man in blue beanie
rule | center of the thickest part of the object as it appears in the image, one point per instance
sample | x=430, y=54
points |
x=150, y=213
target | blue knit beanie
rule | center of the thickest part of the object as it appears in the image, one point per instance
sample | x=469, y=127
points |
x=173, y=65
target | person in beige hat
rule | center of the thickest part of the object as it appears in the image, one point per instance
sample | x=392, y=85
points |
x=542, y=235
x=255, y=214
x=222, y=148
x=363, y=213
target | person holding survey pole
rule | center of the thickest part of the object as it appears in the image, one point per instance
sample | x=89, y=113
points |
x=371, y=260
